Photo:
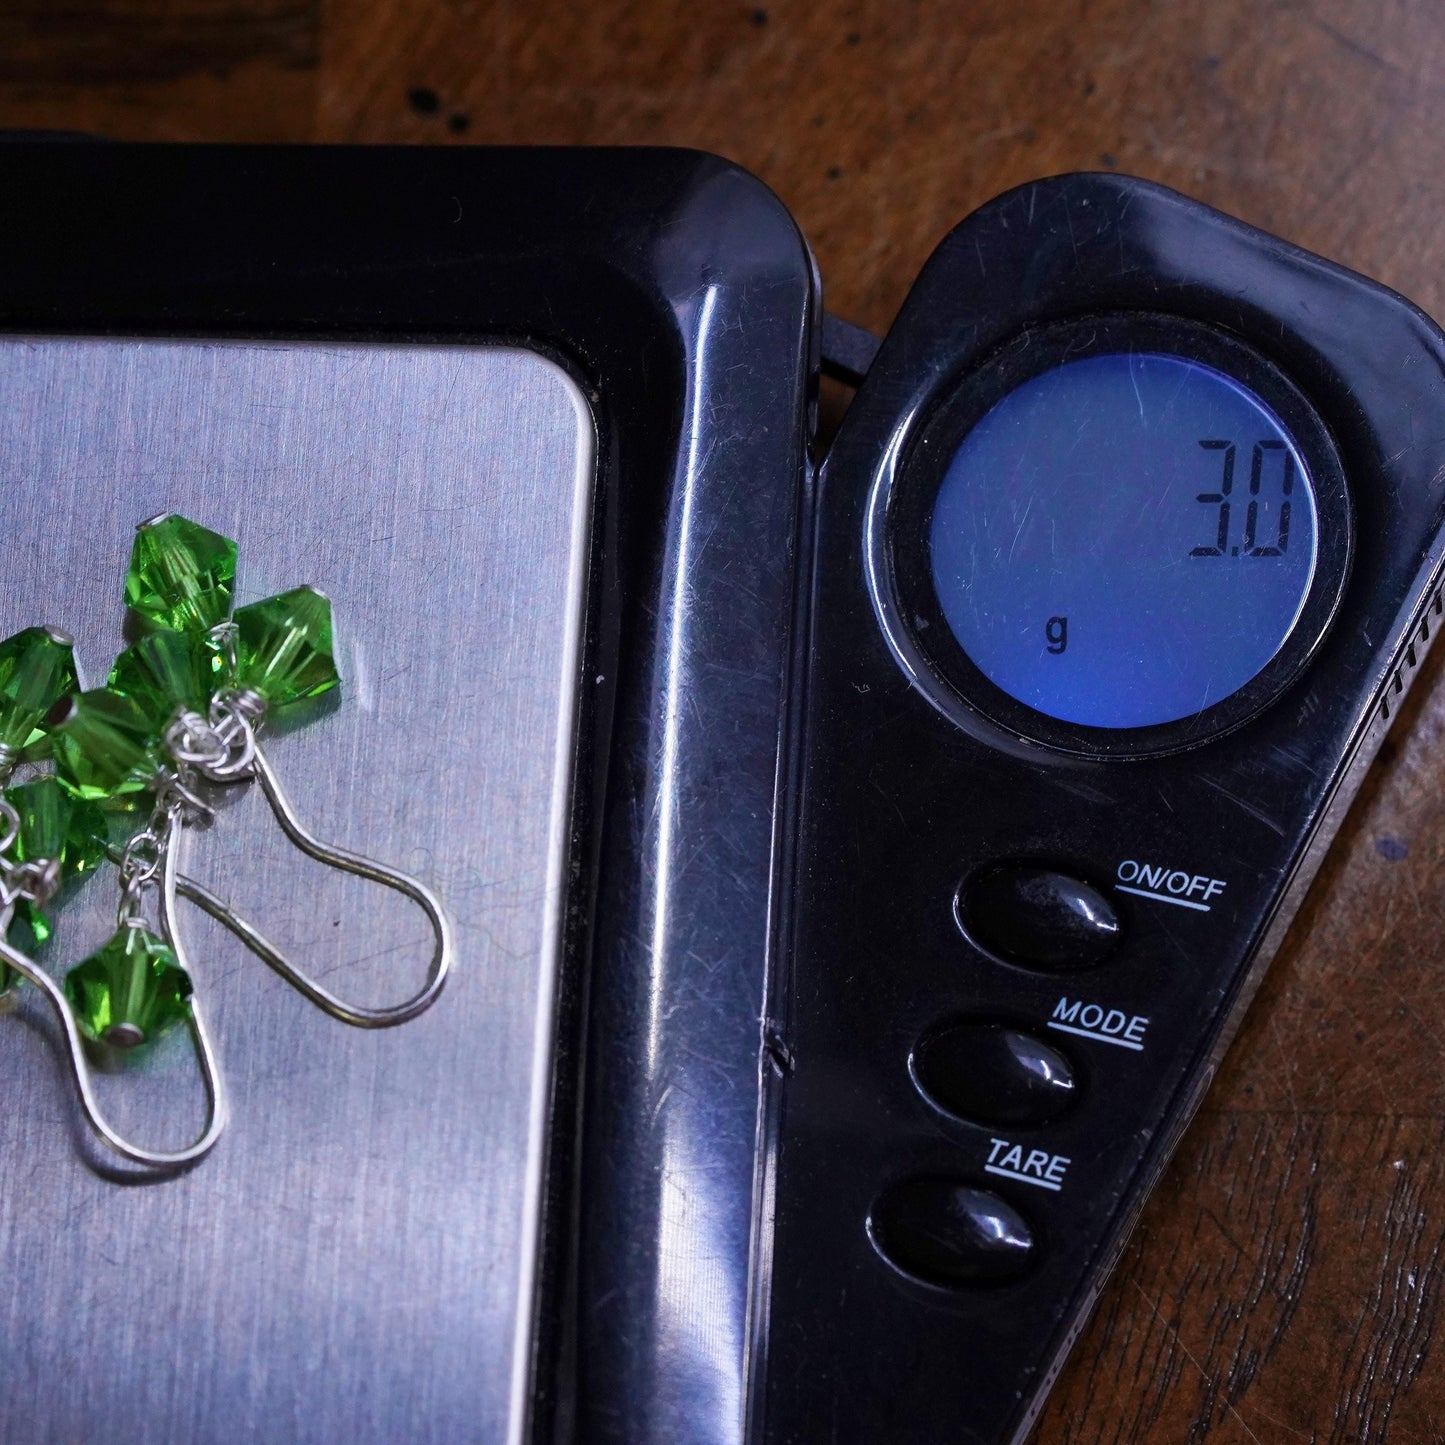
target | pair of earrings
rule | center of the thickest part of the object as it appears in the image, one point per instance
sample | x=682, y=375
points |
x=178, y=716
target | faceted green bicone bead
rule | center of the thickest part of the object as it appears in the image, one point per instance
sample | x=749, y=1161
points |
x=104, y=746
x=165, y=672
x=283, y=647
x=55, y=825
x=129, y=992
x=37, y=669
x=29, y=931
x=180, y=575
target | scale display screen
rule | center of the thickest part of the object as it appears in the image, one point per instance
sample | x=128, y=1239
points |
x=1124, y=540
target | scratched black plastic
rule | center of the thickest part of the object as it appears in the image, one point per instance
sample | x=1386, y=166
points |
x=900, y=802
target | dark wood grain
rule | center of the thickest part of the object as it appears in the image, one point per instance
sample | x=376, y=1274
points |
x=234, y=70
x=1285, y=1283
x=88, y=41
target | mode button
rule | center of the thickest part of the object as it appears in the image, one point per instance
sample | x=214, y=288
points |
x=985, y=1072
x=1038, y=917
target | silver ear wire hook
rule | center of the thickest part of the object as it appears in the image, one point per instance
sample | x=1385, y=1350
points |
x=216, y=1111
x=376, y=872
x=346, y=862
x=244, y=759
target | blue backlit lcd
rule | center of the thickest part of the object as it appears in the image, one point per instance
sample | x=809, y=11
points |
x=1125, y=540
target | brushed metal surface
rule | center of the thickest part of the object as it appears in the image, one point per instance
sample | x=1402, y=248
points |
x=355, y=1260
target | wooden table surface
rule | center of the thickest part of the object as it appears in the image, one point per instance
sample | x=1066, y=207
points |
x=1285, y=1283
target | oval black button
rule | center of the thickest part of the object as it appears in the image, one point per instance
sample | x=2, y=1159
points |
x=948, y=1233
x=1038, y=917
x=992, y=1074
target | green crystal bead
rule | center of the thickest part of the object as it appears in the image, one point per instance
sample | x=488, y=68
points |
x=103, y=746
x=130, y=991
x=166, y=672
x=37, y=669
x=29, y=931
x=180, y=575
x=283, y=647
x=55, y=825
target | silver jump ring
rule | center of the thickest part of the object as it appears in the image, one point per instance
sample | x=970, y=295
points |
x=233, y=720
x=10, y=822
x=142, y=857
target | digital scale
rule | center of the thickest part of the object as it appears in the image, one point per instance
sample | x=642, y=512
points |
x=856, y=870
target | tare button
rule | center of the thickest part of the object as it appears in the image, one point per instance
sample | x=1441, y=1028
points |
x=1029, y=1166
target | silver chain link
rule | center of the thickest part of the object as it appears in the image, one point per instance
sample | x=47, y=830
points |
x=218, y=748
x=141, y=864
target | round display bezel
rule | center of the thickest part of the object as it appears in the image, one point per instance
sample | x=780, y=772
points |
x=915, y=484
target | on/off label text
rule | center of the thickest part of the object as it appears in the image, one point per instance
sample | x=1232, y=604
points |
x=1168, y=885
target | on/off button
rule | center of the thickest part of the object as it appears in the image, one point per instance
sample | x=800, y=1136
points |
x=1037, y=916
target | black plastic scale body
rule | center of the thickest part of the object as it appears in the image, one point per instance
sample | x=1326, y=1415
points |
x=973, y=1098
x=834, y=1146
